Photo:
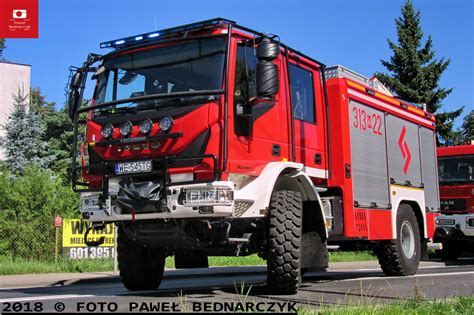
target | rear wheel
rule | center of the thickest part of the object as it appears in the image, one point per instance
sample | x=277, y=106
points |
x=401, y=257
x=284, y=241
x=141, y=268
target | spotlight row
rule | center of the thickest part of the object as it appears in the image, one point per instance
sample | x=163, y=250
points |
x=145, y=126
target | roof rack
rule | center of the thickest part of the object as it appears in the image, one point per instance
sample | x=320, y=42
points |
x=147, y=37
x=339, y=71
x=157, y=35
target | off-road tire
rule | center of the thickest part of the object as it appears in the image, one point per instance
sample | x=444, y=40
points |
x=449, y=252
x=141, y=268
x=284, y=241
x=390, y=254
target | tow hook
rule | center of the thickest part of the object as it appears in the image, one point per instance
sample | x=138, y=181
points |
x=95, y=227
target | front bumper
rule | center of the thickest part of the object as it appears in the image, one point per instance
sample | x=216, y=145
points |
x=95, y=208
x=455, y=226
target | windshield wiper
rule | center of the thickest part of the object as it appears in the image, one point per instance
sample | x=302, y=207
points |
x=114, y=111
x=152, y=96
x=177, y=101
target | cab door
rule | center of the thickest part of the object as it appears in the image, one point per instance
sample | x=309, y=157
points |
x=306, y=100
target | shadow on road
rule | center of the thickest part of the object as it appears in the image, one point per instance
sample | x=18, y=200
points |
x=464, y=261
x=244, y=283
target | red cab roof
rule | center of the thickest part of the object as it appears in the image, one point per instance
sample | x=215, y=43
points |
x=456, y=150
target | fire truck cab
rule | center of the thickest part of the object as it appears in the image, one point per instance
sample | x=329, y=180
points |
x=214, y=139
x=455, y=225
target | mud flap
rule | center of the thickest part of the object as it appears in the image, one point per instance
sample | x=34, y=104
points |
x=424, y=250
x=314, y=251
x=191, y=259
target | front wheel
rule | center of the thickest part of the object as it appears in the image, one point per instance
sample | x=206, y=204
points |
x=284, y=242
x=401, y=257
x=141, y=268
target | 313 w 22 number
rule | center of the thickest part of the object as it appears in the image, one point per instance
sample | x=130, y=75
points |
x=367, y=122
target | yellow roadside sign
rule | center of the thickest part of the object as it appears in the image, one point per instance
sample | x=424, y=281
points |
x=73, y=240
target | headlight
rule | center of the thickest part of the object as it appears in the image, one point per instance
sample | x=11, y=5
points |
x=208, y=196
x=145, y=126
x=166, y=123
x=107, y=130
x=126, y=128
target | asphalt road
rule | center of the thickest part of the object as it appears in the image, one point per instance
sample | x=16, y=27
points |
x=189, y=290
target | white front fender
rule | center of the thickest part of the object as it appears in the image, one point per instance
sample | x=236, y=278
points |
x=259, y=190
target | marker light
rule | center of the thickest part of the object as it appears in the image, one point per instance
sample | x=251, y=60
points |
x=166, y=123
x=204, y=196
x=128, y=41
x=126, y=128
x=107, y=130
x=145, y=126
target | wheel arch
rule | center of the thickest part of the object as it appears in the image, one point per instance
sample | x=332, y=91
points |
x=313, y=214
x=282, y=176
x=415, y=198
x=419, y=214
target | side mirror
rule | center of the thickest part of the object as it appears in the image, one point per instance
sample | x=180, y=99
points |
x=73, y=103
x=268, y=49
x=76, y=81
x=267, y=79
x=267, y=72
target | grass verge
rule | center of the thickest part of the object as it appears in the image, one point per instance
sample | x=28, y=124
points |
x=12, y=266
x=15, y=266
x=457, y=305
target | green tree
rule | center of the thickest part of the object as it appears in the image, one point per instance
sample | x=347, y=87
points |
x=2, y=47
x=58, y=132
x=23, y=143
x=414, y=73
x=467, y=128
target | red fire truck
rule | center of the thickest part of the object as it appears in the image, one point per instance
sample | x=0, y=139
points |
x=455, y=225
x=213, y=139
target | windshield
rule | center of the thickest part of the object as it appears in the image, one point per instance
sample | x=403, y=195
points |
x=195, y=65
x=456, y=169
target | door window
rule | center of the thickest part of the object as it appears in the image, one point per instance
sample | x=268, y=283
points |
x=245, y=71
x=302, y=94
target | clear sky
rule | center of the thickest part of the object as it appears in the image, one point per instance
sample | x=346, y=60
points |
x=347, y=32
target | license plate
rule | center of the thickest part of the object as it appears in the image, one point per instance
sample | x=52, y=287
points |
x=445, y=222
x=133, y=167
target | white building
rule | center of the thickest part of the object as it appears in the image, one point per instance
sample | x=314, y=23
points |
x=13, y=77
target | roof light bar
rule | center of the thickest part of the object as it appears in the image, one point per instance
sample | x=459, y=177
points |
x=128, y=41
